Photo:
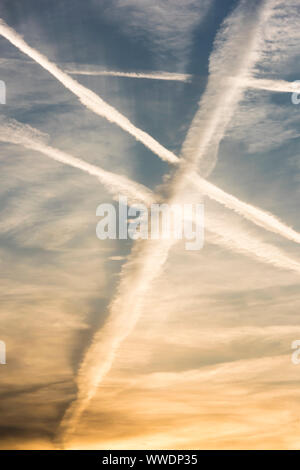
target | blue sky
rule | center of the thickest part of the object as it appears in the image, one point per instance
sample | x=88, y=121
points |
x=213, y=327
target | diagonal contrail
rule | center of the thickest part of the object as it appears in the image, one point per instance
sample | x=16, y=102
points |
x=97, y=105
x=16, y=133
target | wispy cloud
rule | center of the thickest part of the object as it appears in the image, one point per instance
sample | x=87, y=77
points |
x=168, y=26
x=16, y=133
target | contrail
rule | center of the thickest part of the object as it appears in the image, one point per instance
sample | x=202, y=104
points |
x=273, y=85
x=177, y=77
x=237, y=240
x=97, y=105
x=256, y=83
x=261, y=218
x=19, y=134
x=143, y=266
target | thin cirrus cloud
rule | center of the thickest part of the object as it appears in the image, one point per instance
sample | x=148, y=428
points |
x=168, y=28
x=16, y=133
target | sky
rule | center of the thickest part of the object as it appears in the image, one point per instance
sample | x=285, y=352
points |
x=121, y=344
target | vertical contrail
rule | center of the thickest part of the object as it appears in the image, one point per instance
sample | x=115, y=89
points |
x=231, y=62
x=143, y=266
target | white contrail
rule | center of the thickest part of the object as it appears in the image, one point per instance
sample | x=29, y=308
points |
x=230, y=65
x=97, y=105
x=19, y=134
x=273, y=85
x=256, y=83
x=87, y=97
x=259, y=217
x=238, y=240
x=177, y=77
x=143, y=266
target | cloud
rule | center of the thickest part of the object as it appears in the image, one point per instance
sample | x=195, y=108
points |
x=167, y=25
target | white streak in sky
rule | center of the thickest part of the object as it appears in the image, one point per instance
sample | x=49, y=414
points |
x=256, y=83
x=259, y=217
x=144, y=265
x=19, y=134
x=280, y=86
x=235, y=53
x=239, y=241
x=177, y=77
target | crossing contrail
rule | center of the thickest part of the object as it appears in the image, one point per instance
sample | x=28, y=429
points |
x=97, y=105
